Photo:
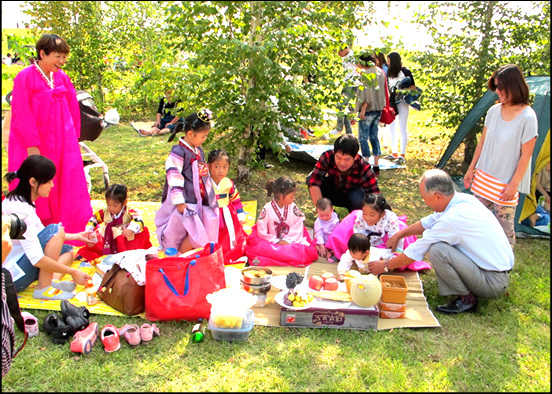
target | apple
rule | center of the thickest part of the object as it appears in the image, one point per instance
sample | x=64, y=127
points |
x=331, y=284
x=316, y=282
x=327, y=275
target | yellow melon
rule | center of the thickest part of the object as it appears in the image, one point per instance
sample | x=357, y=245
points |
x=366, y=290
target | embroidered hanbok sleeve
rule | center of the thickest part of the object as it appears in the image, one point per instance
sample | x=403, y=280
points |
x=175, y=179
x=263, y=224
x=296, y=221
x=235, y=200
x=136, y=224
x=95, y=220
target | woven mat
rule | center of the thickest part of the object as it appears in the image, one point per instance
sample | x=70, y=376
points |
x=417, y=315
x=147, y=210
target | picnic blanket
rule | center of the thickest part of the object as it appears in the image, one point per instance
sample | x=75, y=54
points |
x=311, y=153
x=417, y=315
x=147, y=210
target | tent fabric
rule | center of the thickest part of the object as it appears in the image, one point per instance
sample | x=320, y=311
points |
x=540, y=87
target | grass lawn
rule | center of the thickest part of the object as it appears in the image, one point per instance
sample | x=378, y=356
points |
x=504, y=346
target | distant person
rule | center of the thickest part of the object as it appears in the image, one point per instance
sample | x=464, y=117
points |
x=8, y=59
x=342, y=175
x=396, y=75
x=350, y=87
x=166, y=117
x=46, y=120
x=370, y=102
x=467, y=247
x=16, y=59
x=501, y=165
x=381, y=61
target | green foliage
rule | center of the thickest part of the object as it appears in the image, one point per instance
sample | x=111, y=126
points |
x=242, y=55
x=471, y=40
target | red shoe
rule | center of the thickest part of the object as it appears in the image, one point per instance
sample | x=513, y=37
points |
x=110, y=338
x=84, y=340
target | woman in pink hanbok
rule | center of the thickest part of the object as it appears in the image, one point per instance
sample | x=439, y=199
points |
x=46, y=120
x=280, y=237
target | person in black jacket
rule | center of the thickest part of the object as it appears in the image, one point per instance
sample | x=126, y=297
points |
x=166, y=116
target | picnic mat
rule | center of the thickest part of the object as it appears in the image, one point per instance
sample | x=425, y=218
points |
x=418, y=313
x=147, y=210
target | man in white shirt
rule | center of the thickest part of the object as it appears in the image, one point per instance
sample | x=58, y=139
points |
x=467, y=247
x=350, y=88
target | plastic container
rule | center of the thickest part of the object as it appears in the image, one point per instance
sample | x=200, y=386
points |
x=393, y=289
x=171, y=252
x=236, y=334
x=391, y=307
x=229, y=307
x=391, y=315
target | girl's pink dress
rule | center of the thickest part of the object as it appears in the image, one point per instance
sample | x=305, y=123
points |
x=50, y=119
x=338, y=239
x=274, y=224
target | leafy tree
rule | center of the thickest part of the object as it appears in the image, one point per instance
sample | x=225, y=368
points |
x=471, y=40
x=239, y=56
x=102, y=35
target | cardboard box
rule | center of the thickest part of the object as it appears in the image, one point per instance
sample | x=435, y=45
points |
x=353, y=317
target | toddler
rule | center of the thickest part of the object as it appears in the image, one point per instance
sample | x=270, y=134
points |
x=280, y=237
x=324, y=224
x=231, y=236
x=119, y=228
x=358, y=250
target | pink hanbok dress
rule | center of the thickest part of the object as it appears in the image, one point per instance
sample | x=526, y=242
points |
x=388, y=225
x=50, y=119
x=276, y=224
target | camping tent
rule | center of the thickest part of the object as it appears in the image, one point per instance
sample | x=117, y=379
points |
x=540, y=87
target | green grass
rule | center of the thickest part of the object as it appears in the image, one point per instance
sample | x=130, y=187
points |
x=504, y=346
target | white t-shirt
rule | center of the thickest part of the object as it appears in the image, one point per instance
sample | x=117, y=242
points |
x=30, y=245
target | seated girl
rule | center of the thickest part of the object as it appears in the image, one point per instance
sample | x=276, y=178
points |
x=280, y=237
x=377, y=221
x=41, y=254
x=120, y=228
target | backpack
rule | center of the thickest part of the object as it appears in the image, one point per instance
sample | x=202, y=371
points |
x=10, y=308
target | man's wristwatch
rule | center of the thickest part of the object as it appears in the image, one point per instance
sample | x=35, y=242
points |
x=385, y=267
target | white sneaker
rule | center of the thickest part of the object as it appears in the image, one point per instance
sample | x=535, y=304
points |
x=400, y=160
x=334, y=132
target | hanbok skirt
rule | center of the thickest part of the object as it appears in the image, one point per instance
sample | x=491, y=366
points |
x=140, y=241
x=267, y=253
x=232, y=236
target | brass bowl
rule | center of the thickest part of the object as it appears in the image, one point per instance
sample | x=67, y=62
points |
x=256, y=289
x=256, y=275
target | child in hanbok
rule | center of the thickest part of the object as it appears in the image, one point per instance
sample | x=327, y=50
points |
x=280, y=237
x=188, y=217
x=325, y=223
x=231, y=235
x=116, y=228
x=377, y=221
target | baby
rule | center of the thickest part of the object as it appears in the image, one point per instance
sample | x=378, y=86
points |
x=358, y=250
x=324, y=224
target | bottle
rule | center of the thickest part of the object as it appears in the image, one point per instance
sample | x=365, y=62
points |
x=198, y=332
x=541, y=201
x=91, y=298
x=171, y=252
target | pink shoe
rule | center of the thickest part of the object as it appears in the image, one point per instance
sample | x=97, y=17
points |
x=31, y=324
x=84, y=340
x=131, y=332
x=146, y=332
x=110, y=338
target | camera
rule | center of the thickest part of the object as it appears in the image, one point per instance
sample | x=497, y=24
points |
x=17, y=226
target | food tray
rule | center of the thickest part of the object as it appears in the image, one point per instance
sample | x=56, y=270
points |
x=396, y=294
x=391, y=307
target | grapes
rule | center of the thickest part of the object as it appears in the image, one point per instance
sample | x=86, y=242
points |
x=293, y=279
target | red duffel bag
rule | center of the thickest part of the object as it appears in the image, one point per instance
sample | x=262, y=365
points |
x=177, y=287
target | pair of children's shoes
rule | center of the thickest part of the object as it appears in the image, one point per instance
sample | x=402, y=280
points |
x=135, y=335
x=74, y=319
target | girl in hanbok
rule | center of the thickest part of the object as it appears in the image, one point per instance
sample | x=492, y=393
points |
x=231, y=236
x=188, y=217
x=46, y=120
x=376, y=220
x=280, y=237
x=116, y=228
